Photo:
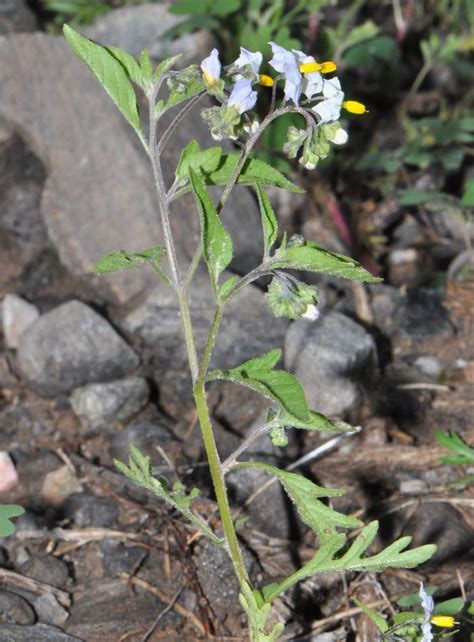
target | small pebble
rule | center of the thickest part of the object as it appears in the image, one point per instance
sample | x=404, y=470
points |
x=413, y=487
x=8, y=475
x=17, y=316
x=429, y=365
x=58, y=485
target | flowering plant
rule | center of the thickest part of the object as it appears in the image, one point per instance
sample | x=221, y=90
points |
x=318, y=100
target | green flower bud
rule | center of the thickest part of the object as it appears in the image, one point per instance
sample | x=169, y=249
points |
x=224, y=122
x=288, y=297
x=180, y=81
x=295, y=139
x=279, y=437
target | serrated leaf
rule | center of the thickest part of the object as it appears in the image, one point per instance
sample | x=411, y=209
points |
x=269, y=220
x=205, y=160
x=109, y=72
x=123, y=260
x=313, y=257
x=254, y=171
x=7, y=512
x=305, y=494
x=216, y=241
x=317, y=422
x=377, y=619
x=277, y=385
x=140, y=472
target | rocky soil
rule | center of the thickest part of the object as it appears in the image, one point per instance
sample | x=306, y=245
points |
x=91, y=365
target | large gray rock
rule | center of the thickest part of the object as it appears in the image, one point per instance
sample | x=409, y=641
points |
x=71, y=346
x=103, y=404
x=248, y=329
x=99, y=182
x=36, y=632
x=327, y=356
x=16, y=16
x=142, y=27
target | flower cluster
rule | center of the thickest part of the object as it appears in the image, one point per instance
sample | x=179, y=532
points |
x=306, y=90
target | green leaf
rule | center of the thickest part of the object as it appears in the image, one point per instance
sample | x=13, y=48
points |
x=419, y=197
x=277, y=385
x=377, y=619
x=164, y=66
x=189, y=7
x=449, y=607
x=217, y=243
x=205, y=160
x=191, y=90
x=227, y=286
x=128, y=62
x=468, y=196
x=7, y=511
x=269, y=220
x=464, y=454
x=313, y=257
x=146, y=67
x=316, y=422
x=109, y=71
x=414, y=599
x=225, y=7
x=140, y=472
x=253, y=171
x=123, y=260
x=191, y=24
x=305, y=495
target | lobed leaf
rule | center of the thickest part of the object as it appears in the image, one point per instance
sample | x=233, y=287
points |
x=109, y=71
x=305, y=494
x=7, y=511
x=216, y=241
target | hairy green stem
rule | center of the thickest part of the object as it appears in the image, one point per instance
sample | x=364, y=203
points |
x=169, y=243
x=211, y=340
x=218, y=481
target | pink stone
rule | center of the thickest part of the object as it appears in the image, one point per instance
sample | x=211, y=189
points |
x=8, y=475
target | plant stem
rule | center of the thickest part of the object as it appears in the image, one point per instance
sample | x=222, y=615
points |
x=211, y=340
x=256, y=434
x=217, y=475
x=169, y=243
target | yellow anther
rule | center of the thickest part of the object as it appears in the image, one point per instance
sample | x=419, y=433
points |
x=328, y=67
x=265, y=81
x=310, y=67
x=446, y=621
x=354, y=107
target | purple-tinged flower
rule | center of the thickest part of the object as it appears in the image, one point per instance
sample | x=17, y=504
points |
x=242, y=97
x=211, y=68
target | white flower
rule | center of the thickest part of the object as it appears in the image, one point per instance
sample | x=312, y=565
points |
x=428, y=606
x=329, y=109
x=249, y=62
x=289, y=64
x=242, y=97
x=211, y=68
x=311, y=313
